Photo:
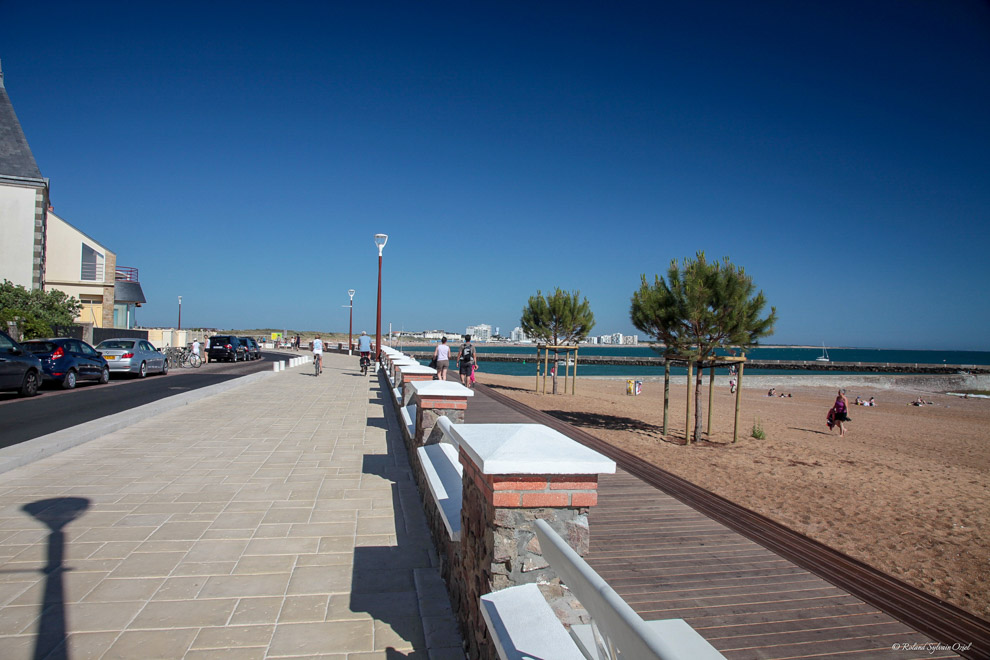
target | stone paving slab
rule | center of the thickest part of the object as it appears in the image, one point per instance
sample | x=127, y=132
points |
x=275, y=520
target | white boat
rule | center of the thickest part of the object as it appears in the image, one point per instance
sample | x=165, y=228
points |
x=824, y=356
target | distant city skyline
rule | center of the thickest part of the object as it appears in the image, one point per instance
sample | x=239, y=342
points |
x=242, y=156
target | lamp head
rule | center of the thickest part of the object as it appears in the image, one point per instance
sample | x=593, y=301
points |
x=350, y=292
x=380, y=241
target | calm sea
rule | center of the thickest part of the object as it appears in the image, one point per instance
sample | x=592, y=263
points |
x=528, y=368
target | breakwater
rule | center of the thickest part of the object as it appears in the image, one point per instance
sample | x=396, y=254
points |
x=774, y=365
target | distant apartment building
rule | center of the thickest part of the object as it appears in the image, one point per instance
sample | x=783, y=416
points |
x=482, y=332
x=630, y=340
x=517, y=335
x=591, y=340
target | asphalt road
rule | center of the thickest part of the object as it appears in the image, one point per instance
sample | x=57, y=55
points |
x=56, y=409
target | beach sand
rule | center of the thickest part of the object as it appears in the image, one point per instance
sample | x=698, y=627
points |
x=907, y=490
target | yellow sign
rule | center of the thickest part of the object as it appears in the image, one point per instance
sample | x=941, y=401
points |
x=276, y=335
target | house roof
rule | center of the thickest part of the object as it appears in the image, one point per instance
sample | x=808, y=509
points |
x=16, y=159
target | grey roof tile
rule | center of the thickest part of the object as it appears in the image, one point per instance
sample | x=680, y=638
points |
x=16, y=159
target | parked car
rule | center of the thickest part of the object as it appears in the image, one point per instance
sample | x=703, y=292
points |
x=254, y=351
x=19, y=369
x=227, y=348
x=66, y=361
x=136, y=356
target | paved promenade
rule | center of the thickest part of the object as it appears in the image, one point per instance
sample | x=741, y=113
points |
x=278, y=519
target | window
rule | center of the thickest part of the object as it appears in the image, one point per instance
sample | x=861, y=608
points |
x=92, y=265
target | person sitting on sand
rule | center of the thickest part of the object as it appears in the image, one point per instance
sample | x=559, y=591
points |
x=859, y=401
x=773, y=390
x=871, y=402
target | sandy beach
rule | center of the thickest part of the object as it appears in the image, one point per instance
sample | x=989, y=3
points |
x=907, y=490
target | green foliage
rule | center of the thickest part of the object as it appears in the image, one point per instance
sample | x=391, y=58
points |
x=700, y=307
x=38, y=310
x=758, y=431
x=558, y=319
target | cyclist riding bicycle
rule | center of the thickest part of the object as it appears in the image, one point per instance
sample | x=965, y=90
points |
x=364, y=347
x=318, y=354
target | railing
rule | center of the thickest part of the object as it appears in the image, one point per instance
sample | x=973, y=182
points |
x=126, y=274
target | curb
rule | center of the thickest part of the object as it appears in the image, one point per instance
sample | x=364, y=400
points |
x=59, y=441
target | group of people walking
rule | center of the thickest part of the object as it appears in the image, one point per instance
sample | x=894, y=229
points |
x=467, y=362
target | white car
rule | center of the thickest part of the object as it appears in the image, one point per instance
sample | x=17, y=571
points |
x=136, y=356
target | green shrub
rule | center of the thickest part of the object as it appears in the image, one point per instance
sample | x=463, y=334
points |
x=758, y=431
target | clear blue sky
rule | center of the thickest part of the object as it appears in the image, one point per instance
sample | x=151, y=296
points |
x=839, y=151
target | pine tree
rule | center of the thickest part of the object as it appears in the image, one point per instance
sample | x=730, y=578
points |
x=558, y=319
x=700, y=307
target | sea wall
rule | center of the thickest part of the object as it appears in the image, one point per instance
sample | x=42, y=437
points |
x=912, y=382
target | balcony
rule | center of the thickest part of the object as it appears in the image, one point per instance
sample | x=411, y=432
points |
x=126, y=274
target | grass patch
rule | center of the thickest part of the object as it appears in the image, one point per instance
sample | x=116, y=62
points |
x=758, y=431
x=983, y=392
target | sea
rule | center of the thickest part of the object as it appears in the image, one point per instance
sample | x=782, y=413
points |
x=785, y=354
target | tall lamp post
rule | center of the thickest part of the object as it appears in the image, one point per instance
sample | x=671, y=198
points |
x=380, y=241
x=180, y=314
x=350, y=323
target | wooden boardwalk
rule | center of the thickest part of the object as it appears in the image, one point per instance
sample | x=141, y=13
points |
x=669, y=561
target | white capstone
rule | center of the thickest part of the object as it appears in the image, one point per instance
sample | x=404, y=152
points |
x=416, y=369
x=438, y=388
x=527, y=449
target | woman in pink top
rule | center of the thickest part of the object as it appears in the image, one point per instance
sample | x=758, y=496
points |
x=442, y=356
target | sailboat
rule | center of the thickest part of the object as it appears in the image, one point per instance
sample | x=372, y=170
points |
x=824, y=356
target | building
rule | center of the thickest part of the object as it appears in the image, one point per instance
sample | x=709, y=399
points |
x=630, y=340
x=83, y=268
x=23, y=203
x=40, y=250
x=482, y=332
x=517, y=335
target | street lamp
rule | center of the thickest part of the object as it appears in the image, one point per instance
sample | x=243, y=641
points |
x=180, y=314
x=380, y=241
x=350, y=323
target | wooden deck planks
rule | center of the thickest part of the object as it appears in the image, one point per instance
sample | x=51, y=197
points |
x=669, y=561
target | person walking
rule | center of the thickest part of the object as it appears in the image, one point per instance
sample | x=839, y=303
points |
x=318, y=354
x=466, y=360
x=840, y=411
x=442, y=356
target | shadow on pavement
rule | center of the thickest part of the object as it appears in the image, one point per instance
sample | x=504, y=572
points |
x=55, y=513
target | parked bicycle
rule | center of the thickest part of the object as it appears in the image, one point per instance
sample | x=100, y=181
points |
x=182, y=357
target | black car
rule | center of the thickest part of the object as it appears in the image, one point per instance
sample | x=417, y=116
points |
x=19, y=370
x=253, y=350
x=67, y=361
x=227, y=348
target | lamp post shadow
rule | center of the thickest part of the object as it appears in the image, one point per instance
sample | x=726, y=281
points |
x=55, y=513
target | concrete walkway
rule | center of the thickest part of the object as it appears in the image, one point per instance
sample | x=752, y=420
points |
x=277, y=519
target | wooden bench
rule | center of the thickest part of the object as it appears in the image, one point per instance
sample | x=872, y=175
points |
x=523, y=625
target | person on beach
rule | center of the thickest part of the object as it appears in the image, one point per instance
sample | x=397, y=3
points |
x=840, y=411
x=732, y=385
x=466, y=361
x=773, y=390
x=442, y=357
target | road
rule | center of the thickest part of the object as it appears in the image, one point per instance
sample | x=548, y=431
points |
x=56, y=409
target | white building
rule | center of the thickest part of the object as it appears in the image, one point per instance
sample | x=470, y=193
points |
x=630, y=340
x=23, y=203
x=482, y=332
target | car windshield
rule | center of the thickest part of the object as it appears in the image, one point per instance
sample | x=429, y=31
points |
x=115, y=344
x=39, y=347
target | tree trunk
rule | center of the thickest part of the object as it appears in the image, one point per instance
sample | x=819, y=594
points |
x=697, y=403
x=556, y=358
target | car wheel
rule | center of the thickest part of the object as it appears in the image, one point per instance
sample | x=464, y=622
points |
x=144, y=370
x=69, y=381
x=30, y=385
x=165, y=368
x=105, y=376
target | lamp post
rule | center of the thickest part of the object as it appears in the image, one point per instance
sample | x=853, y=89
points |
x=350, y=322
x=380, y=241
x=180, y=314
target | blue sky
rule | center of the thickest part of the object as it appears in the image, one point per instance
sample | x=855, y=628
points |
x=242, y=155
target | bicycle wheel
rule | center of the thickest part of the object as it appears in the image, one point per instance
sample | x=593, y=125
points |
x=316, y=365
x=195, y=361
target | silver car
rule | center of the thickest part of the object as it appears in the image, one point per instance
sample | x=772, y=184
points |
x=136, y=356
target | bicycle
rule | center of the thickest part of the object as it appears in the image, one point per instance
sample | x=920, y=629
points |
x=191, y=359
x=365, y=363
x=318, y=363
